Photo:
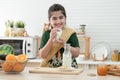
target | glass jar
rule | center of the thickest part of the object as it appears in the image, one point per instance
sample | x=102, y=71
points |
x=115, y=56
x=102, y=70
x=82, y=29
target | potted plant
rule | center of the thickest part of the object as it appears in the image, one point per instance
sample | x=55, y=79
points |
x=10, y=23
x=19, y=28
x=9, y=27
x=20, y=24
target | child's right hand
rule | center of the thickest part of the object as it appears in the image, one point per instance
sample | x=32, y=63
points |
x=53, y=33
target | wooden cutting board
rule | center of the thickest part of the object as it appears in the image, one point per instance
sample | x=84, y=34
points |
x=46, y=70
x=114, y=73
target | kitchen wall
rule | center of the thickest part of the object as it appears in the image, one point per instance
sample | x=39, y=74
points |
x=102, y=17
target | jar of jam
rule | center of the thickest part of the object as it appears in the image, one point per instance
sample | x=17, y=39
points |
x=102, y=70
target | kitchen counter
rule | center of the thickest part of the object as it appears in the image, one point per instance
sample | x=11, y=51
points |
x=25, y=75
x=90, y=61
x=85, y=63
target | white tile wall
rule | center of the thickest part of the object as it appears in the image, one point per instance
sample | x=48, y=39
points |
x=102, y=17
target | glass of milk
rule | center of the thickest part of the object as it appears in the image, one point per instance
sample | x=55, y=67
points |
x=59, y=33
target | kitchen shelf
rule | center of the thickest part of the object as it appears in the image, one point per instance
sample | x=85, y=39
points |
x=86, y=63
x=89, y=62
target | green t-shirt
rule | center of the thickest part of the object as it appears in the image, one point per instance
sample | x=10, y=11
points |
x=57, y=61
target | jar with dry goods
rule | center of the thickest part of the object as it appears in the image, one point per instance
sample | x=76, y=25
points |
x=115, y=55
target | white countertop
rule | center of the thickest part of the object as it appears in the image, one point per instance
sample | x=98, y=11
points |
x=90, y=61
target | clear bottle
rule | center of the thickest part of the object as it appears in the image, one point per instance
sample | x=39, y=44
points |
x=67, y=57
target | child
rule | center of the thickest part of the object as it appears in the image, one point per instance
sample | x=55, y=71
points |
x=51, y=49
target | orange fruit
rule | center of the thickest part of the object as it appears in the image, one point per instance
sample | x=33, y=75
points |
x=22, y=58
x=18, y=67
x=7, y=66
x=10, y=57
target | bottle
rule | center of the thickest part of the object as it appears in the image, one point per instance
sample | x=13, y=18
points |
x=67, y=57
x=115, y=55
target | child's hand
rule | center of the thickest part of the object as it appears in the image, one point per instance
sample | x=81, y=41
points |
x=60, y=41
x=53, y=34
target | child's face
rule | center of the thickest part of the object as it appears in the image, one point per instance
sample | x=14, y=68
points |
x=57, y=19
